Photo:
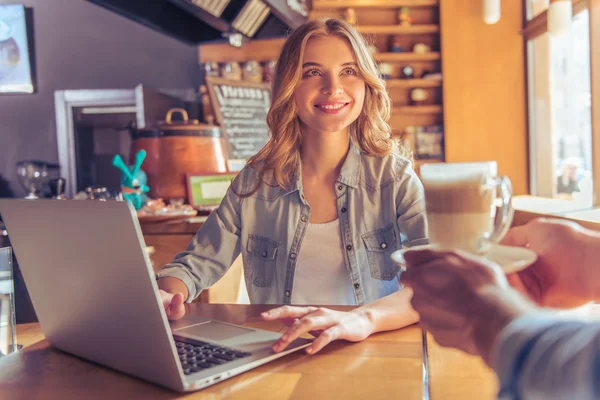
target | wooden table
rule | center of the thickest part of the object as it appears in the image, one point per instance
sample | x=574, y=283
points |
x=528, y=208
x=386, y=365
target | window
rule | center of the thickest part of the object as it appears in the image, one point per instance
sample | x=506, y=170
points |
x=536, y=7
x=560, y=111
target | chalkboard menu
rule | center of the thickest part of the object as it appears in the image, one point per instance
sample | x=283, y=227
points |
x=241, y=110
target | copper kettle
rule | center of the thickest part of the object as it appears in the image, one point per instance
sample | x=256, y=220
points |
x=176, y=148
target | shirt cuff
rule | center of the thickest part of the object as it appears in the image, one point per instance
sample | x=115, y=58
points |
x=179, y=273
x=512, y=346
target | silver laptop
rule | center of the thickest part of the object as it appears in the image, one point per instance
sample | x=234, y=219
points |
x=93, y=289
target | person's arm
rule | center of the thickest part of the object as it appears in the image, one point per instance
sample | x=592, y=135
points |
x=410, y=206
x=211, y=252
x=388, y=313
x=541, y=357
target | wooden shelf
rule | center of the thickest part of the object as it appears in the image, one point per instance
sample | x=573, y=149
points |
x=329, y=4
x=408, y=56
x=432, y=109
x=413, y=83
x=256, y=49
x=399, y=29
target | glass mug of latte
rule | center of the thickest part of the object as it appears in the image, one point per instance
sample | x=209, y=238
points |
x=462, y=201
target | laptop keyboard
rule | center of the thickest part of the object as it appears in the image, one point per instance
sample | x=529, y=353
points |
x=199, y=356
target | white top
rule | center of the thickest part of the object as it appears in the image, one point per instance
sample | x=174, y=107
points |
x=321, y=277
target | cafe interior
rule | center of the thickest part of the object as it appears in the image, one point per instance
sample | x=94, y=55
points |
x=159, y=103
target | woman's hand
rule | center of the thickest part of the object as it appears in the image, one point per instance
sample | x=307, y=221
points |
x=173, y=294
x=173, y=304
x=325, y=324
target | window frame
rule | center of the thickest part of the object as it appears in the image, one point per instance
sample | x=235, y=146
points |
x=594, y=10
x=538, y=26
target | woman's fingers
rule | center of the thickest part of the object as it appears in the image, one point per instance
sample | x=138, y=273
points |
x=173, y=305
x=287, y=312
x=288, y=321
x=166, y=298
x=326, y=325
x=302, y=326
x=326, y=337
x=177, y=309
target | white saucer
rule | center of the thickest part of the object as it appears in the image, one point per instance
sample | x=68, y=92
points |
x=510, y=258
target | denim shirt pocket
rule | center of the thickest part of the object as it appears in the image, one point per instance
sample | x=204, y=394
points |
x=380, y=245
x=262, y=254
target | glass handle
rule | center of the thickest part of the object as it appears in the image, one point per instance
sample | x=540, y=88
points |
x=504, y=220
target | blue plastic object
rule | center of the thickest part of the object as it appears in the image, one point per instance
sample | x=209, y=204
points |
x=133, y=180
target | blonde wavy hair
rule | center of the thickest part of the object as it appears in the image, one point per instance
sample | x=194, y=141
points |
x=371, y=132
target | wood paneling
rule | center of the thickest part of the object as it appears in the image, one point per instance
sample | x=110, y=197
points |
x=484, y=87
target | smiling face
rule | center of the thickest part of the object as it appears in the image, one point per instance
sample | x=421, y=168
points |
x=331, y=92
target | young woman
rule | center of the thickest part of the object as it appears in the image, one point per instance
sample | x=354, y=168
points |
x=318, y=211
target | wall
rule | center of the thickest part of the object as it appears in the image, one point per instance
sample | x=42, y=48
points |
x=484, y=87
x=79, y=45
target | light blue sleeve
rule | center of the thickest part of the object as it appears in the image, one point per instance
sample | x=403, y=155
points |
x=214, y=247
x=541, y=356
x=410, y=205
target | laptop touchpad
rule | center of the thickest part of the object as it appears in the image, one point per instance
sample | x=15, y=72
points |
x=214, y=331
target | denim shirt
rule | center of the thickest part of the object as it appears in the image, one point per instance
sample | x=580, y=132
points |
x=380, y=205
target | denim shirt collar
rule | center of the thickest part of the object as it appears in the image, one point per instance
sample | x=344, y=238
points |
x=349, y=174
